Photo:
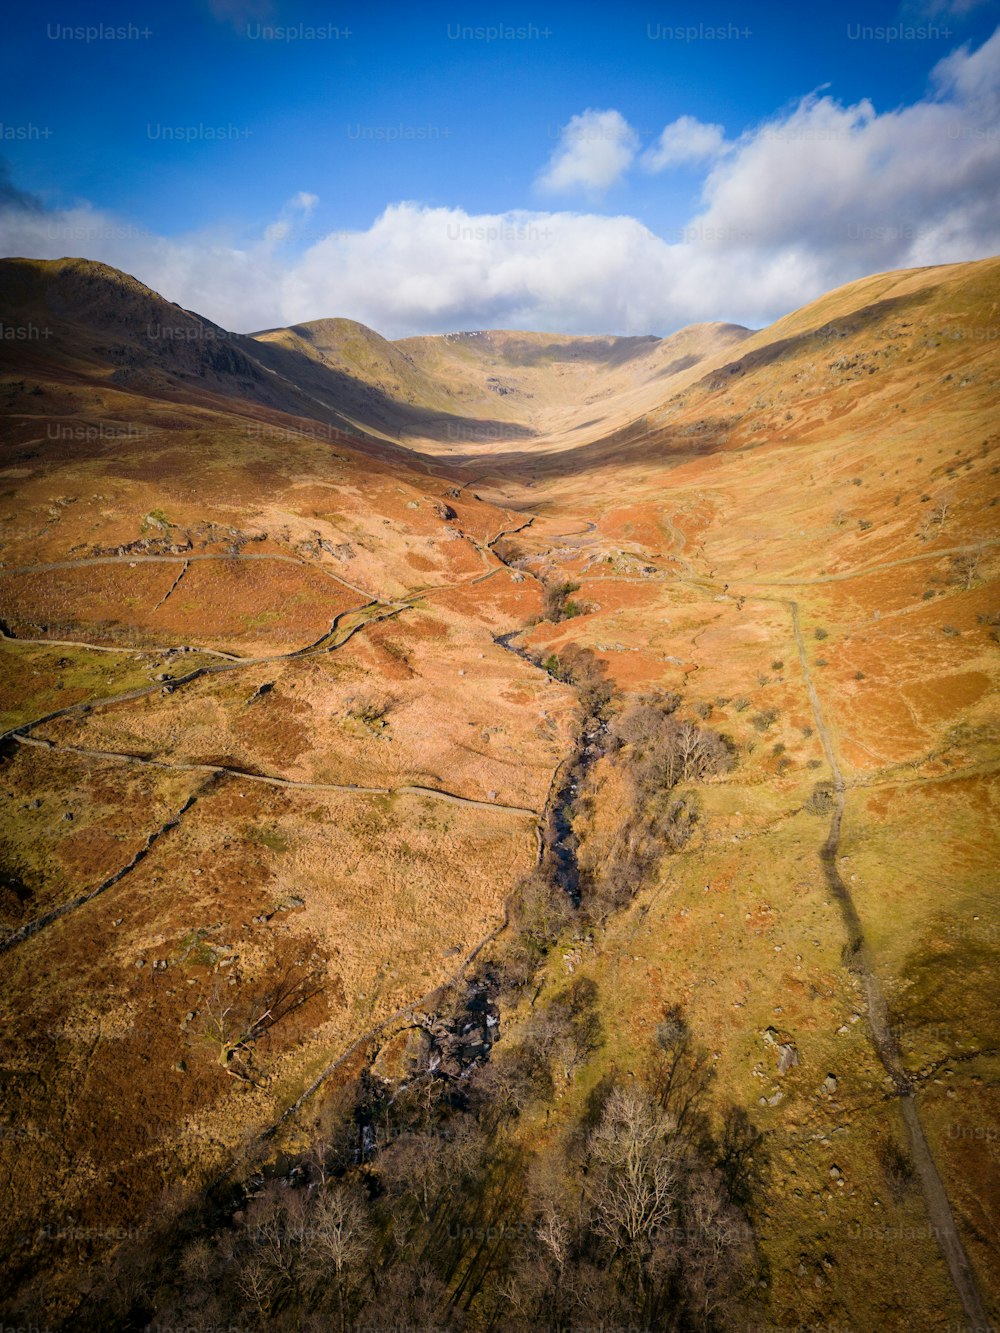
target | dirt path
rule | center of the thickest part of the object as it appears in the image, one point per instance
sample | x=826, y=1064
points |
x=353, y=789
x=404, y=603
x=328, y=643
x=936, y=1200
x=92, y=560
x=106, y=648
x=867, y=569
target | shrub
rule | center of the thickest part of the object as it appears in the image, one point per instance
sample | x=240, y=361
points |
x=370, y=708
x=821, y=802
x=582, y=668
x=897, y=1168
x=556, y=605
x=764, y=719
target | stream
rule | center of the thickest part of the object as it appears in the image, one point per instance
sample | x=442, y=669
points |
x=559, y=844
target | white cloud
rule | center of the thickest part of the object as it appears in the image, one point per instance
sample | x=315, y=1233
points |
x=595, y=150
x=812, y=198
x=684, y=141
x=860, y=190
x=283, y=227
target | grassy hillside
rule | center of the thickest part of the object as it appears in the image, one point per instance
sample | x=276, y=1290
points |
x=353, y=692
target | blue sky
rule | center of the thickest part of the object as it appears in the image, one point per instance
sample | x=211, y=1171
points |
x=545, y=129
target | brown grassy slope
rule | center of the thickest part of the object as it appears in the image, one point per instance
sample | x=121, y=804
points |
x=846, y=461
x=796, y=470
x=454, y=391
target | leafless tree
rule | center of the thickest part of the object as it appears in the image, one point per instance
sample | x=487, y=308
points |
x=965, y=568
x=635, y=1182
x=258, y=1283
x=414, y=1164
x=338, y=1240
x=718, y=1247
x=234, y=1018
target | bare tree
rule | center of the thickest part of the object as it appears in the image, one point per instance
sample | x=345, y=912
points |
x=339, y=1238
x=235, y=1018
x=965, y=568
x=414, y=1165
x=258, y=1283
x=635, y=1183
x=718, y=1247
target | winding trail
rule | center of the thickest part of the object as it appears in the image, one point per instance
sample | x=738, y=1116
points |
x=844, y=575
x=370, y=613
x=246, y=775
x=344, y=626
x=935, y=1194
x=329, y=642
x=157, y=651
x=933, y=1189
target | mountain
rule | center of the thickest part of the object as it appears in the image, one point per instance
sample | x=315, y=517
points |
x=429, y=762
x=444, y=390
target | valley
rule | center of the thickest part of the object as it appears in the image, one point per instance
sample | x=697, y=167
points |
x=325, y=658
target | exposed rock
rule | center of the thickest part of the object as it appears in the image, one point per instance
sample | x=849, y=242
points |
x=787, y=1057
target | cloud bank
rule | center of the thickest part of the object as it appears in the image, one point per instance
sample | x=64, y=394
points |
x=595, y=150
x=815, y=196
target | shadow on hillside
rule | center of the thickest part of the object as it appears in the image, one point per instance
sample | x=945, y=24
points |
x=637, y=444
x=610, y=351
x=834, y=329
x=343, y=395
